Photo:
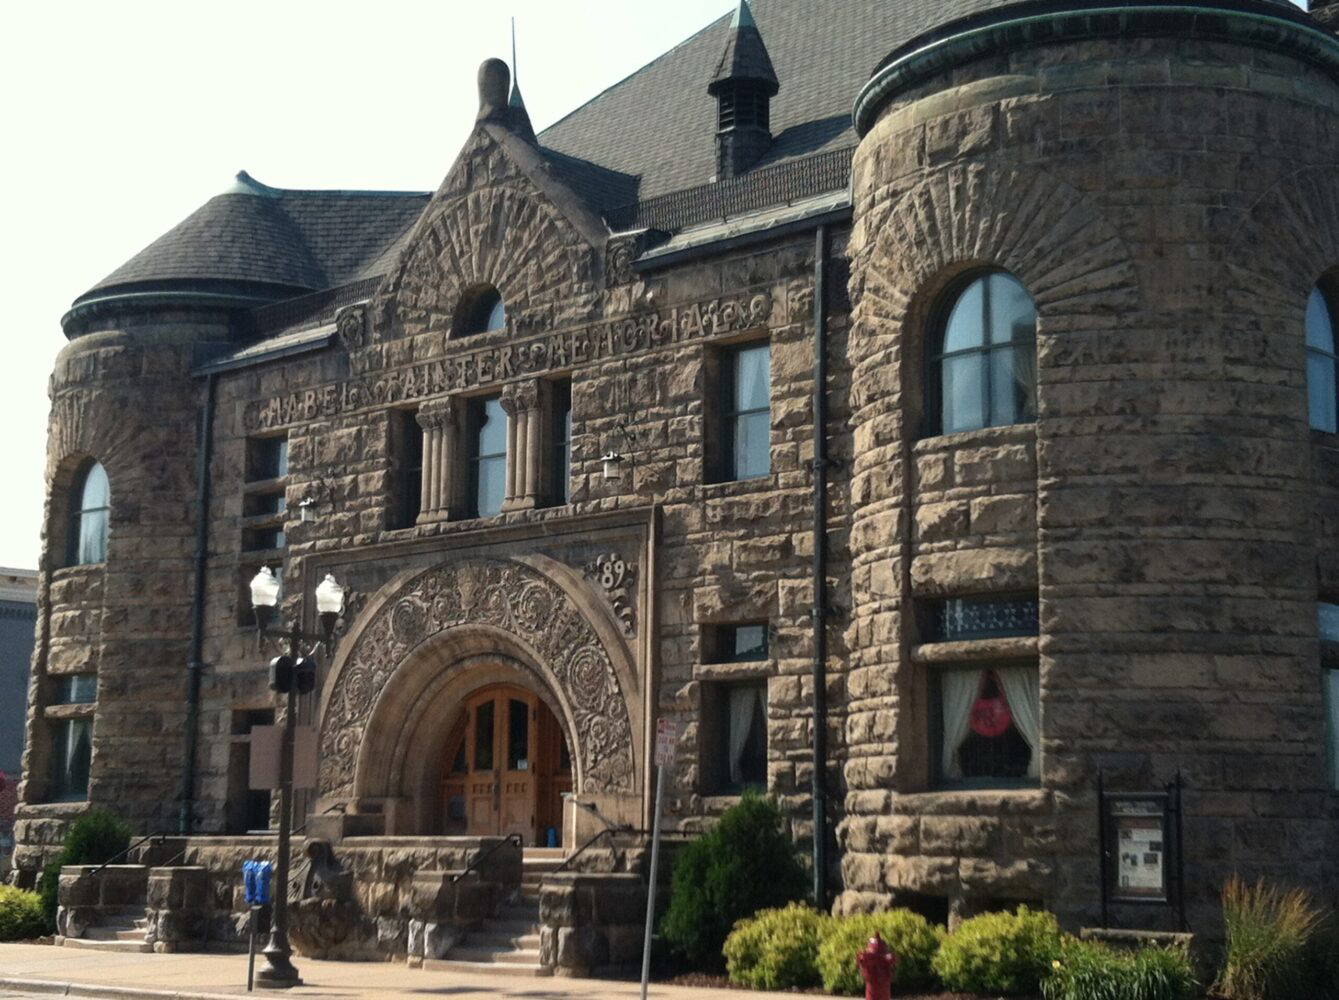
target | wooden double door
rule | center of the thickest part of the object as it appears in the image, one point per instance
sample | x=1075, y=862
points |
x=508, y=768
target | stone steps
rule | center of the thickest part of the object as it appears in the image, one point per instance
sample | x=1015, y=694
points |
x=509, y=943
x=486, y=968
x=122, y=929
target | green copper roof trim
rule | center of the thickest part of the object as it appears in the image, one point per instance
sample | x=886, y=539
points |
x=113, y=302
x=743, y=16
x=1257, y=27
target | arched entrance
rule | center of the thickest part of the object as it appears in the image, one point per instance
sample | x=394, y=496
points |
x=505, y=768
x=403, y=694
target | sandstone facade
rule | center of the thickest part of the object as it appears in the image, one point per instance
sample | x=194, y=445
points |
x=1168, y=202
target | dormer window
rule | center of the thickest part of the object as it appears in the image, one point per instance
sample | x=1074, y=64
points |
x=481, y=310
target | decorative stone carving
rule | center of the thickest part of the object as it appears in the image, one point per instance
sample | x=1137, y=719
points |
x=618, y=258
x=351, y=328
x=616, y=577
x=500, y=595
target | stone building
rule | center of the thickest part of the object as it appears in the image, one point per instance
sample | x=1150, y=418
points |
x=921, y=462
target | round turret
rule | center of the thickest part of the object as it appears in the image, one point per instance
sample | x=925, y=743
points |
x=1088, y=464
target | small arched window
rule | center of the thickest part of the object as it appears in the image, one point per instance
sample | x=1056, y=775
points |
x=1322, y=365
x=481, y=309
x=983, y=364
x=90, y=503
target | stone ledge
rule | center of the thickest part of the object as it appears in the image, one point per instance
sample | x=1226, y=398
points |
x=972, y=650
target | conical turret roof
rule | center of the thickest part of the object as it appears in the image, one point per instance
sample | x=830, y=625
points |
x=745, y=56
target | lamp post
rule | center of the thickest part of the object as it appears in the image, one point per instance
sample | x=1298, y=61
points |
x=292, y=673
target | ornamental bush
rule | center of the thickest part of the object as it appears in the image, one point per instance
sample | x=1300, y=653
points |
x=776, y=949
x=1276, y=944
x=1089, y=971
x=744, y=864
x=912, y=938
x=20, y=914
x=1000, y=952
x=93, y=839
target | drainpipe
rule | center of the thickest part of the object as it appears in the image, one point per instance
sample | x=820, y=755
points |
x=194, y=666
x=820, y=574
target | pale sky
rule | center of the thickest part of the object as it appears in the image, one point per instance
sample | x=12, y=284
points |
x=123, y=118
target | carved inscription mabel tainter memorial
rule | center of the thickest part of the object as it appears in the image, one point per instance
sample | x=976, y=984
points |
x=530, y=356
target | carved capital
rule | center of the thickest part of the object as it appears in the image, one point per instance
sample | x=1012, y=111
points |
x=520, y=397
x=437, y=413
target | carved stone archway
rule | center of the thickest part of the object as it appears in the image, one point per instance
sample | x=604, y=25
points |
x=424, y=634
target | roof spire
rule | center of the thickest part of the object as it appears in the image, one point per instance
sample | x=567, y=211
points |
x=745, y=56
x=517, y=115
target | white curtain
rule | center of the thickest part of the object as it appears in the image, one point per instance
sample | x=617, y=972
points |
x=958, y=690
x=744, y=699
x=1023, y=692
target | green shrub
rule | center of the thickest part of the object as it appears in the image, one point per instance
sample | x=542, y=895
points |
x=1273, y=937
x=93, y=839
x=776, y=949
x=20, y=914
x=1000, y=952
x=912, y=938
x=1088, y=971
x=744, y=864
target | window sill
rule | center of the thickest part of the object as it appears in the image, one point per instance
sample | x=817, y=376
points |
x=1008, y=434
x=1022, y=647
x=79, y=710
x=736, y=670
x=958, y=800
x=80, y=569
x=54, y=809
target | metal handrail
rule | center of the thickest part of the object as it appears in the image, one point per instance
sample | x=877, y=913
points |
x=567, y=861
x=160, y=837
x=511, y=838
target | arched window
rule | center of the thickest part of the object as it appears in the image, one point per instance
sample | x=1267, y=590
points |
x=1322, y=386
x=481, y=309
x=983, y=364
x=90, y=502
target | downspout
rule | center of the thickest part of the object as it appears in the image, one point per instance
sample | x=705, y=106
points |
x=820, y=572
x=194, y=667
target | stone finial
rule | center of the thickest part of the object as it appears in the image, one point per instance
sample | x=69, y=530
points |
x=494, y=90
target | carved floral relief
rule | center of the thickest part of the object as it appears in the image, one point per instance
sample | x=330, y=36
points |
x=506, y=595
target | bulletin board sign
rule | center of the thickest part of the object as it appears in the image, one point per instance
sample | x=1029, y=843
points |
x=1141, y=849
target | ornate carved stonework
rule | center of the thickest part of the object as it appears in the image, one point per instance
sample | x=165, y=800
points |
x=616, y=577
x=506, y=595
x=351, y=327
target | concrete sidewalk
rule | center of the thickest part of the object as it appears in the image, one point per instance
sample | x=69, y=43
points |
x=76, y=972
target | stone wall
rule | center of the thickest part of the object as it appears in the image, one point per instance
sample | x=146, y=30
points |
x=1139, y=189
x=123, y=397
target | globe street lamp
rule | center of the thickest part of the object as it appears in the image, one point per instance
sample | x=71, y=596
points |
x=291, y=673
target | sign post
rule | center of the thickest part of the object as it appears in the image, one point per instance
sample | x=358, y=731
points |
x=667, y=736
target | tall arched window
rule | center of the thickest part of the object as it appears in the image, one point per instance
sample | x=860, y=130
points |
x=90, y=503
x=1322, y=386
x=983, y=364
x=481, y=309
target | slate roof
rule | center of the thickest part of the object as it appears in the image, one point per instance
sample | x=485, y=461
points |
x=650, y=135
x=257, y=235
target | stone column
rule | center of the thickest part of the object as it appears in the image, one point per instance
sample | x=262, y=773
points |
x=524, y=443
x=438, y=420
